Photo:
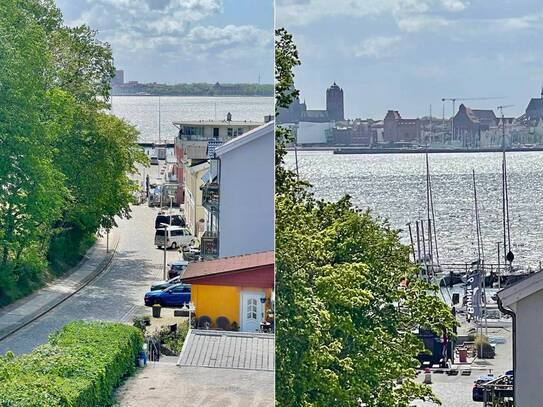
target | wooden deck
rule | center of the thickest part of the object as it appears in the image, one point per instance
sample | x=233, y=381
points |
x=228, y=350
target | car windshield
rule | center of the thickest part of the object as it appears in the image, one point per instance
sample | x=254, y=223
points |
x=178, y=267
x=159, y=232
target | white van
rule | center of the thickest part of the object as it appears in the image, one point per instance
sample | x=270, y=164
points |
x=176, y=236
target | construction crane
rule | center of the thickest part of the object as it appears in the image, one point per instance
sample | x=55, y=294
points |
x=453, y=100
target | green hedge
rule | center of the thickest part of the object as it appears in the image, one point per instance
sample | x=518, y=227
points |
x=80, y=366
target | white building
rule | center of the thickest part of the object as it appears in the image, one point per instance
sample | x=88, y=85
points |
x=246, y=193
x=525, y=300
x=312, y=133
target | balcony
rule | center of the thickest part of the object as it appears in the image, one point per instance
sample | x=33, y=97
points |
x=210, y=197
x=209, y=245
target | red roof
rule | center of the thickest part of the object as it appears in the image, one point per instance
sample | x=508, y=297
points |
x=230, y=270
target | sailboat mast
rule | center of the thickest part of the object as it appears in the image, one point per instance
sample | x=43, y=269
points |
x=159, y=119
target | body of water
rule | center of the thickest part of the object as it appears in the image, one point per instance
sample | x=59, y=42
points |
x=143, y=111
x=393, y=187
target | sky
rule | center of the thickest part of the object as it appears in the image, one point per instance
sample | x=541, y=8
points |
x=183, y=41
x=406, y=55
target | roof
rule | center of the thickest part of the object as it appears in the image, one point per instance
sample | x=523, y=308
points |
x=478, y=115
x=217, y=123
x=524, y=288
x=535, y=104
x=315, y=114
x=233, y=264
x=236, y=142
x=228, y=350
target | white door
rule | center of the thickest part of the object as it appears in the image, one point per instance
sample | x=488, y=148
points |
x=252, y=311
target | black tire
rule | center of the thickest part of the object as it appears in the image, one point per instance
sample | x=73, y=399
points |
x=174, y=245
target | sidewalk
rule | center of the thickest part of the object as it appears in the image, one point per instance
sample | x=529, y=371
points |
x=21, y=313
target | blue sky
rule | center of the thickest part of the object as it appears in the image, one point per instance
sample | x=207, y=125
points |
x=408, y=54
x=176, y=41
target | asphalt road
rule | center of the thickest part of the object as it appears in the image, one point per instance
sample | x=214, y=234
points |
x=116, y=295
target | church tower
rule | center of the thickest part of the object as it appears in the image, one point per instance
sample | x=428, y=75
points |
x=334, y=103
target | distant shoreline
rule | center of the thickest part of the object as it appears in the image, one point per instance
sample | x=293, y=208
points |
x=354, y=150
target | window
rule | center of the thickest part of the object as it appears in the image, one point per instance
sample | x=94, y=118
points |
x=240, y=131
x=215, y=132
x=176, y=233
x=251, y=308
x=230, y=132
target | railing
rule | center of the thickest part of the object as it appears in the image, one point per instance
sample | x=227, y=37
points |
x=210, y=197
x=209, y=245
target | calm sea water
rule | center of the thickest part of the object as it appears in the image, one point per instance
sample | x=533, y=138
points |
x=142, y=111
x=393, y=187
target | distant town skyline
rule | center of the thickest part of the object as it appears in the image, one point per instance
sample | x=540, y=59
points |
x=407, y=54
x=175, y=41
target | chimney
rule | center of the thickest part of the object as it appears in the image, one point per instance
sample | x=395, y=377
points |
x=229, y=117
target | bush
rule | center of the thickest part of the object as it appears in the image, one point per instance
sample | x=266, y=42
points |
x=488, y=351
x=174, y=340
x=80, y=366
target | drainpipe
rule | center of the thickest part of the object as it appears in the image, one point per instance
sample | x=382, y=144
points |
x=514, y=325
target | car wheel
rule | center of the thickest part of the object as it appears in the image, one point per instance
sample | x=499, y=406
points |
x=174, y=245
x=192, y=242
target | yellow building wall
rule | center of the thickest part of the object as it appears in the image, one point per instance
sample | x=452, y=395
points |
x=194, y=211
x=216, y=301
x=221, y=301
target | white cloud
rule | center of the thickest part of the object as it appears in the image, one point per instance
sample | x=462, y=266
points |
x=172, y=30
x=378, y=47
x=455, y=5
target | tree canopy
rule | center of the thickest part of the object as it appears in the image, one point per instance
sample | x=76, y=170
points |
x=346, y=328
x=64, y=161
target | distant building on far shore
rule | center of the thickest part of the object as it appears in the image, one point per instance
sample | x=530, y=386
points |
x=298, y=112
x=397, y=129
x=469, y=124
x=534, y=111
x=118, y=79
x=334, y=103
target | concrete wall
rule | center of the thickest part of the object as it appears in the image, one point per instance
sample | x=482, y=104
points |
x=246, y=203
x=529, y=369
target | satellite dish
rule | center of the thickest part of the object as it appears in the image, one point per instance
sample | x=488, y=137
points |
x=510, y=256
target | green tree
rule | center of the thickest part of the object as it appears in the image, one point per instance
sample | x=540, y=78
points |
x=345, y=331
x=64, y=162
x=31, y=187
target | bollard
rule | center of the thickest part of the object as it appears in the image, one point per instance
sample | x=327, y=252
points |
x=427, y=376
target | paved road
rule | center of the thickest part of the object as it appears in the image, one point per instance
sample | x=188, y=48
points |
x=114, y=296
x=167, y=385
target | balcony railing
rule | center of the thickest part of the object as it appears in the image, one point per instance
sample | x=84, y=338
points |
x=210, y=197
x=209, y=245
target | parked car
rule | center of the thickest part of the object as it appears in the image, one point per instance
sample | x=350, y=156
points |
x=177, y=268
x=176, y=220
x=173, y=237
x=478, y=392
x=175, y=296
x=154, y=160
x=161, y=285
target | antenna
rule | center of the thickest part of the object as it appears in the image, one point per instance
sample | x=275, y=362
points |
x=159, y=119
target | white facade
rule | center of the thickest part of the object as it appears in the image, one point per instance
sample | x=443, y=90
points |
x=246, y=195
x=525, y=299
x=312, y=133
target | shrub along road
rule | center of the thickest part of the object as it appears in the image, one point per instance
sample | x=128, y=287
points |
x=116, y=295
